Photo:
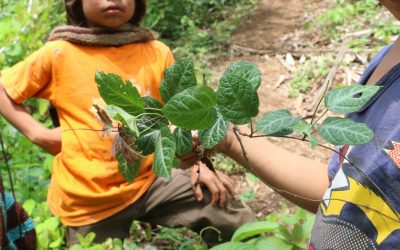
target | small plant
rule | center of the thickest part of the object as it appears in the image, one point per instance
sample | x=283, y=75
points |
x=278, y=231
x=144, y=121
x=250, y=194
x=49, y=230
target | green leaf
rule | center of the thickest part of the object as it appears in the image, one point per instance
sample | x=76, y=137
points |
x=43, y=106
x=177, y=78
x=235, y=246
x=273, y=243
x=177, y=163
x=52, y=223
x=87, y=240
x=299, y=236
x=153, y=108
x=183, y=140
x=96, y=247
x=283, y=233
x=128, y=171
x=119, y=114
x=164, y=157
x=149, y=125
x=248, y=196
x=211, y=137
x=254, y=228
x=283, y=132
x=246, y=72
x=29, y=205
x=57, y=243
x=277, y=122
x=341, y=131
x=116, y=92
x=237, y=96
x=146, y=143
x=192, y=109
x=349, y=99
x=304, y=128
x=251, y=177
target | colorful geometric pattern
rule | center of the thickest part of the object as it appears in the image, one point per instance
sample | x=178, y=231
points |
x=394, y=153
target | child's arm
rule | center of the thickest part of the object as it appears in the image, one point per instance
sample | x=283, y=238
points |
x=299, y=179
x=48, y=139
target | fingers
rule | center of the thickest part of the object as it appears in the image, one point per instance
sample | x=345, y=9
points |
x=188, y=160
x=228, y=183
x=194, y=179
x=198, y=193
x=218, y=185
x=221, y=193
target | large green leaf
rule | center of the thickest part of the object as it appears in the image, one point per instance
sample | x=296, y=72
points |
x=237, y=96
x=119, y=114
x=193, y=108
x=146, y=143
x=246, y=71
x=211, y=137
x=119, y=93
x=276, y=121
x=349, y=99
x=177, y=78
x=153, y=108
x=184, y=140
x=152, y=118
x=149, y=125
x=129, y=172
x=341, y=131
x=164, y=157
x=254, y=228
x=273, y=243
x=235, y=246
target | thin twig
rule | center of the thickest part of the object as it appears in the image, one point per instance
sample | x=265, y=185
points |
x=329, y=79
x=319, y=118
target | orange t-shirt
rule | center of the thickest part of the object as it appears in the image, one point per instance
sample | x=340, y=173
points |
x=86, y=185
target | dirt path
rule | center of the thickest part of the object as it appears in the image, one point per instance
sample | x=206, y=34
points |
x=264, y=40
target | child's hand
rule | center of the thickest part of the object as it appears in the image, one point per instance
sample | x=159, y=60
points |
x=48, y=139
x=218, y=186
x=191, y=158
x=188, y=160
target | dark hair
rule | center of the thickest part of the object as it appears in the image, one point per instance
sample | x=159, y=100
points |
x=76, y=17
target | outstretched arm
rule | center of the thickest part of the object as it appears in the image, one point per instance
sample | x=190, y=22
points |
x=299, y=179
x=48, y=139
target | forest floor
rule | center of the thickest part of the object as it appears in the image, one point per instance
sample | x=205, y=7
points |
x=273, y=32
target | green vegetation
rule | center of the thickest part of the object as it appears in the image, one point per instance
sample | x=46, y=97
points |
x=194, y=28
x=285, y=230
x=377, y=28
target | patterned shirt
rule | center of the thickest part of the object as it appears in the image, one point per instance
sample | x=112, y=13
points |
x=360, y=209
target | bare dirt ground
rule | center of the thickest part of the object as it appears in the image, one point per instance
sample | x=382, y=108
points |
x=274, y=30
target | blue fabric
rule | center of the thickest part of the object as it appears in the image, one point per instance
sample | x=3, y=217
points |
x=361, y=208
x=13, y=234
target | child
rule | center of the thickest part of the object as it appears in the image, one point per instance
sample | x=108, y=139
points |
x=355, y=212
x=87, y=191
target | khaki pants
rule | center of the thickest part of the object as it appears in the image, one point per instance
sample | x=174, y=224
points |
x=171, y=203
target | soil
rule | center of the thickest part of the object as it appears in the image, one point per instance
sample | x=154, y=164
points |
x=265, y=38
